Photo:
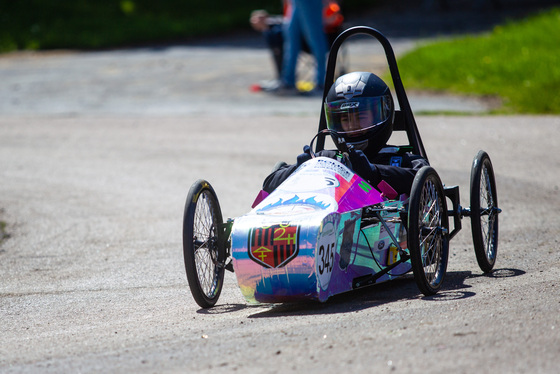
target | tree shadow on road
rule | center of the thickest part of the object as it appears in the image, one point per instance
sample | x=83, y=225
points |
x=403, y=19
x=413, y=19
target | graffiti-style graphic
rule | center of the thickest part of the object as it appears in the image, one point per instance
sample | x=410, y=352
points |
x=299, y=201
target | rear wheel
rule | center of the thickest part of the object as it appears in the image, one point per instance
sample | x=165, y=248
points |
x=484, y=211
x=204, y=260
x=306, y=68
x=428, y=241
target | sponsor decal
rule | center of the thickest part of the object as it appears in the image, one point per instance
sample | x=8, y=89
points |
x=350, y=105
x=365, y=186
x=396, y=161
x=347, y=245
x=274, y=246
x=392, y=255
x=380, y=245
x=310, y=180
x=337, y=167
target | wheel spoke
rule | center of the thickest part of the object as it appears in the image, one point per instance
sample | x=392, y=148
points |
x=205, y=248
x=427, y=241
x=484, y=211
x=430, y=231
x=487, y=213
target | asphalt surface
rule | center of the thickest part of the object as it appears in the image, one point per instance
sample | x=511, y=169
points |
x=97, y=152
x=174, y=80
x=93, y=279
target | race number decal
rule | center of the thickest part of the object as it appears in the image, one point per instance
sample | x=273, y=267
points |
x=324, y=255
x=274, y=246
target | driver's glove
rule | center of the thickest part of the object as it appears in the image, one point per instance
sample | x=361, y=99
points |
x=306, y=155
x=363, y=167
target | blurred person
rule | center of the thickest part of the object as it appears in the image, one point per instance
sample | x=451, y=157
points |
x=304, y=20
x=271, y=27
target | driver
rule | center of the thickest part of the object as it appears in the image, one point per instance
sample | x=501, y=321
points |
x=360, y=112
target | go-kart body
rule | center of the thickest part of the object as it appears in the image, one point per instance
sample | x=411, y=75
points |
x=307, y=240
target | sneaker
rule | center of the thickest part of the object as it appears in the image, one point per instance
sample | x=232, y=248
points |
x=265, y=86
x=270, y=85
x=283, y=90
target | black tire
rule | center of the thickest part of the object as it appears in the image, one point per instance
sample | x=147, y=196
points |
x=203, y=258
x=428, y=239
x=484, y=212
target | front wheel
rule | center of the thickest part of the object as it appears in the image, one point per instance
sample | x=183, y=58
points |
x=484, y=211
x=204, y=259
x=428, y=240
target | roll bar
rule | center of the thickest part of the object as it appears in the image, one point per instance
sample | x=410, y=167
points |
x=404, y=118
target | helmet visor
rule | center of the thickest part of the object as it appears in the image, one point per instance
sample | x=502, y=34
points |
x=355, y=116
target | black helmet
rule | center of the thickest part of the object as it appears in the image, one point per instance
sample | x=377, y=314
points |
x=359, y=108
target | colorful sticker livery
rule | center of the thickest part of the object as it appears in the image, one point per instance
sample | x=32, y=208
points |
x=306, y=240
x=320, y=184
x=273, y=246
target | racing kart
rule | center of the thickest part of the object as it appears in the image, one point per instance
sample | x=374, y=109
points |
x=325, y=230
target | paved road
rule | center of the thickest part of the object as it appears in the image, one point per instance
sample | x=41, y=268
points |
x=174, y=80
x=94, y=169
x=92, y=276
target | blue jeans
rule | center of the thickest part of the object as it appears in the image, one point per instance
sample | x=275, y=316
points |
x=306, y=20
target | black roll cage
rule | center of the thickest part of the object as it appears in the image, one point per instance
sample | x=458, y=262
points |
x=404, y=119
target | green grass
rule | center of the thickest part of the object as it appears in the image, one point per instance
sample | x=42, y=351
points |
x=519, y=62
x=93, y=24
x=86, y=24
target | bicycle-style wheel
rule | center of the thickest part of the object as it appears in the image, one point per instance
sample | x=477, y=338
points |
x=428, y=240
x=204, y=260
x=484, y=211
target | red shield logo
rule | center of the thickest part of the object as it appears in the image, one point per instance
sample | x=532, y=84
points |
x=273, y=246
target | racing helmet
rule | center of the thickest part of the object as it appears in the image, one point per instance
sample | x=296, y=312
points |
x=359, y=108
